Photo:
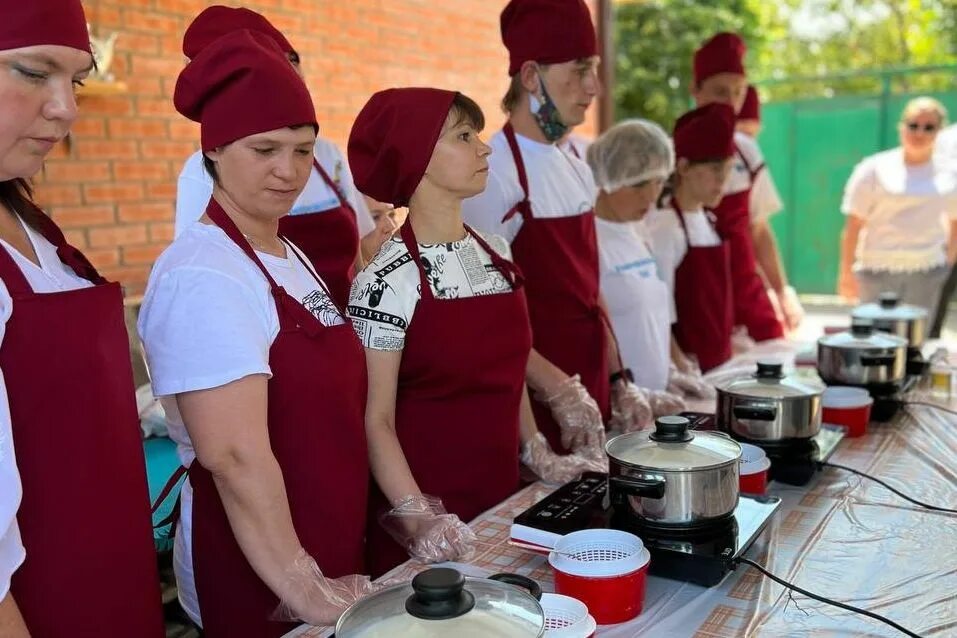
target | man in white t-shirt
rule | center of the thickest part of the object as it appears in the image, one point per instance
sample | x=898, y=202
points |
x=541, y=200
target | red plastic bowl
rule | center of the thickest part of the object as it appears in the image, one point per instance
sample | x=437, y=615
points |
x=849, y=407
x=605, y=569
x=753, y=471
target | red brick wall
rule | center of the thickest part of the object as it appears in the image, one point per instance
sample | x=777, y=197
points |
x=113, y=190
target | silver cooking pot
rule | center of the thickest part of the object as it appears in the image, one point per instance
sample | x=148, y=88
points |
x=770, y=406
x=672, y=476
x=862, y=357
x=890, y=315
x=441, y=602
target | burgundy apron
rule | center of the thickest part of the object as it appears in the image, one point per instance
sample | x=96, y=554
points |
x=459, y=394
x=559, y=258
x=329, y=238
x=90, y=569
x=752, y=306
x=703, y=301
x=315, y=417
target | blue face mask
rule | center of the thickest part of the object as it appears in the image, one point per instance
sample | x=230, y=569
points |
x=546, y=114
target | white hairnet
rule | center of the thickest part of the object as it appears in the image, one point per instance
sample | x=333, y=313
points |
x=630, y=152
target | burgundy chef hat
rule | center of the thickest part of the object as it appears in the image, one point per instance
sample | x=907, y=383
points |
x=706, y=133
x=392, y=141
x=547, y=31
x=240, y=85
x=216, y=21
x=723, y=53
x=37, y=22
x=751, y=110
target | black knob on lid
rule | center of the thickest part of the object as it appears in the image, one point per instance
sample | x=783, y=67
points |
x=888, y=300
x=770, y=370
x=862, y=327
x=672, y=429
x=440, y=594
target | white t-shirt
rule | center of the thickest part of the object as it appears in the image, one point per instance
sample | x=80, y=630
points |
x=764, y=200
x=905, y=210
x=385, y=293
x=195, y=187
x=50, y=276
x=575, y=145
x=667, y=239
x=946, y=144
x=559, y=185
x=208, y=318
x=639, y=302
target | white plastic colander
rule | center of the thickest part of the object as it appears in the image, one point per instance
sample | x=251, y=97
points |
x=566, y=617
x=599, y=553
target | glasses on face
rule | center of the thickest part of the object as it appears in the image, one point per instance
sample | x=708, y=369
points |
x=913, y=127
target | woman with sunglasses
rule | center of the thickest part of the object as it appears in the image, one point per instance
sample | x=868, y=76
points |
x=899, y=205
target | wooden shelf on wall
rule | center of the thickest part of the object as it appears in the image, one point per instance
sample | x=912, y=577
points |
x=99, y=88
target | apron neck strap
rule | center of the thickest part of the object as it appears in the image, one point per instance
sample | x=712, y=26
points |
x=508, y=269
x=681, y=220
x=289, y=309
x=524, y=207
x=331, y=184
x=70, y=256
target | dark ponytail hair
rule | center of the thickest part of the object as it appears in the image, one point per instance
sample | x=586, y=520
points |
x=668, y=190
x=16, y=195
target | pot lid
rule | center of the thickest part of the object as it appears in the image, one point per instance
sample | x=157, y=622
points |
x=889, y=308
x=673, y=446
x=862, y=335
x=441, y=602
x=769, y=381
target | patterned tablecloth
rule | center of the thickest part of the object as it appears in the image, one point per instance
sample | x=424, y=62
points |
x=841, y=536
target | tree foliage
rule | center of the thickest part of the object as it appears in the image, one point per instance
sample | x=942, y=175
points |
x=786, y=39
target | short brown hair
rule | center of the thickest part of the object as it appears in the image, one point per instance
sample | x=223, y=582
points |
x=464, y=110
x=514, y=93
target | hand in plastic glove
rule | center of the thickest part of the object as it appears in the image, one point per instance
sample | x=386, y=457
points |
x=792, y=309
x=689, y=384
x=630, y=410
x=664, y=403
x=308, y=596
x=554, y=468
x=578, y=417
x=427, y=531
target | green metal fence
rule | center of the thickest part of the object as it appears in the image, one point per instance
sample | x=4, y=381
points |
x=811, y=147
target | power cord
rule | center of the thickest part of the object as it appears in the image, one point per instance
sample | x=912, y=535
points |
x=828, y=601
x=928, y=404
x=889, y=487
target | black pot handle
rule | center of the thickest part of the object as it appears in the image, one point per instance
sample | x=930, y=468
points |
x=878, y=360
x=646, y=488
x=521, y=582
x=755, y=412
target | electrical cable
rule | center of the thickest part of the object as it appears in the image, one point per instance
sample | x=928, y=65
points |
x=889, y=487
x=851, y=608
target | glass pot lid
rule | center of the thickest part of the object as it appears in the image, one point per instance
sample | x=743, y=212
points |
x=770, y=382
x=862, y=336
x=673, y=446
x=889, y=308
x=441, y=602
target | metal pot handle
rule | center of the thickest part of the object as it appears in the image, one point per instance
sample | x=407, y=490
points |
x=878, y=360
x=755, y=412
x=647, y=488
x=522, y=582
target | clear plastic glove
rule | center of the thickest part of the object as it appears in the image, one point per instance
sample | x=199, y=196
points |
x=578, y=417
x=427, y=531
x=792, y=308
x=690, y=384
x=308, y=596
x=664, y=403
x=554, y=468
x=630, y=410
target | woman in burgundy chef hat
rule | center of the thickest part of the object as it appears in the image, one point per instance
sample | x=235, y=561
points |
x=441, y=311
x=262, y=377
x=76, y=549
